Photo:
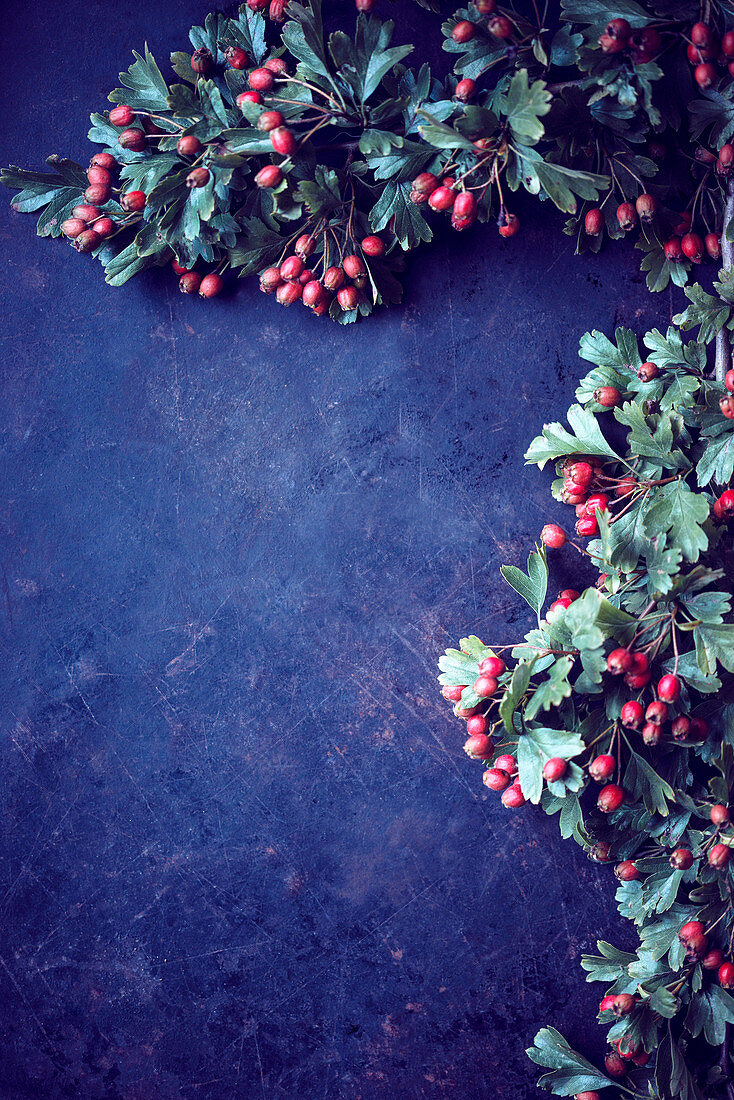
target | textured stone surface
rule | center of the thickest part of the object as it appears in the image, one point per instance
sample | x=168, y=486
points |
x=242, y=852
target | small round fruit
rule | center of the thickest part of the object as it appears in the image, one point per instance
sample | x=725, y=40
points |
x=291, y=268
x=425, y=183
x=133, y=139
x=669, y=688
x=624, y=1003
x=509, y=225
x=211, y=285
x=104, y=160
x=485, y=686
x=712, y=242
x=656, y=712
x=496, y=779
x=554, y=769
x=476, y=724
x=626, y=216
x=681, y=859
x=479, y=746
x=132, y=201
x=202, y=62
x=189, y=282
x=333, y=278
x=719, y=815
x=500, y=26
x=705, y=74
x=553, y=536
x=607, y=396
x=492, y=666
x=594, y=222
x=270, y=120
x=270, y=176
x=261, y=80
x=513, y=797
x=72, y=227
x=626, y=871
x=507, y=763
x=726, y=404
x=646, y=207
x=463, y=31
x=680, y=727
x=619, y=662
x=98, y=175
x=719, y=855
x=278, y=66
x=647, y=371
x=673, y=250
x=443, y=198
x=353, y=267
x=465, y=89
x=587, y=527
x=87, y=241
x=236, y=57
x=198, y=177
x=452, y=692
x=652, y=733
x=121, y=115
x=104, y=226
x=348, y=298
x=726, y=975
x=288, y=293
x=188, y=146
x=692, y=247
x=713, y=959
x=729, y=380
x=373, y=246
x=632, y=714
x=602, y=768
x=610, y=798
x=283, y=140
x=248, y=97
x=614, y=1065
x=97, y=194
x=697, y=946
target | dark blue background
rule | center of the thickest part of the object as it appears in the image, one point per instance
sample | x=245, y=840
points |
x=243, y=854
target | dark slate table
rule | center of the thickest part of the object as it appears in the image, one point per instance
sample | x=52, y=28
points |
x=243, y=854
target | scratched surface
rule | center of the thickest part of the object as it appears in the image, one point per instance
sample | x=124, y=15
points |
x=242, y=854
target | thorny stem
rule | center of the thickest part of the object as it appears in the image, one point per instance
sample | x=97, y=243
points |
x=723, y=347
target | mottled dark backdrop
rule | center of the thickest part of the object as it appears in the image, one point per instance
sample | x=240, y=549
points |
x=242, y=852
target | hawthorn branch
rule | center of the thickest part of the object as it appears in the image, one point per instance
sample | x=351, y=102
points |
x=723, y=359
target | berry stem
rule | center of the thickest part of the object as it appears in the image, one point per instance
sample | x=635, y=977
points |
x=723, y=359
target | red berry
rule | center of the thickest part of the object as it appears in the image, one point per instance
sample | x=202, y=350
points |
x=507, y=763
x=620, y=661
x=726, y=158
x=646, y=372
x=608, y=396
x=313, y=292
x=452, y=692
x=248, y=97
x=492, y=666
x=500, y=26
x=72, y=227
x=673, y=250
x=610, y=798
x=626, y=215
x=463, y=31
x=612, y=45
x=333, y=278
x=726, y=404
x=211, y=285
x=692, y=247
x=727, y=44
x=278, y=66
x=261, y=80
x=607, y=1003
x=485, y=7
x=122, y=115
x=699, y=730
x=478, y=723
x=348, y=298
x=304, y=246
x=99, y=175
x=719, y=815
x=257, y=5
x=626, y=871
x=365, y=5
x=729, y=380
x=270, y=176
x=681, y=859
x=712, y=241
x=104, y=160
x=425, y=183
x=201, y=62
x=652, y=733
x=236, y=57
x=624, y=1003
x=513, y=797
x=597, y=502
x=625, y=487
x=726, y=975
x=189, y=282
x=690, y=930
x=581, y=473
x=198, y=177
x=178, y=268
x=87, y=241
x=283, y=140
x=485, y=686
x=97, y=194
x=713, y=960
x=478, y=746
x=602, y=768
x=615, y=1067
x=553, y=536
x=656, y=712
x=701, y=34
x=133, y=200
x=496, y=779
x=705, y=75
x=719, y=855
x=443, y=198
x=669, y=688
x=509, y=225
x=619, y=28
x=288, y=293
x=554, y=769
x=594, y=222
x=270, y=120
x=291, y=268
x=133, y=139
x=104, y=226
x=680, y=727
x=646, y=206
x=632, y=713
x=353, y=266
x=188, y=146
x=587, y=527
x=697, y=946
x=465, y=89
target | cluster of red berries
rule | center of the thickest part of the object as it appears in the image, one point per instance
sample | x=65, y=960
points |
x=641, y=45
x=626, y=1049
x=443, y=196
x=88, y=226
x=681, y=244
x=276, y=9
x=704, y=49
x=693, y=937
x=191, y=282
x=726, y=404
x=492, y=21
x=291, y=281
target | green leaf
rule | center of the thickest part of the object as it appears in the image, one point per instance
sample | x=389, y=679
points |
x=321, y=195
x=551, y=692
x=518, y=685
x=410, y=226
x=717, y=461
x=538, y=745
x=556, y=441
x=441, y=136
x=705, y=310
x=55, y=193
x=256, y=248
x=709, y=1012
x=644, y=784
x=660, y=270
x=570, y=1072
x=597, y=348
x=559, y=182
x=125, y=264
x=713, y=111
x=144, y=87
x=672, y=1078
x=523, y=106
x=533, y=585
x=678, y=509
x=714, y=642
